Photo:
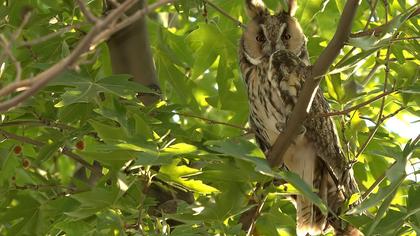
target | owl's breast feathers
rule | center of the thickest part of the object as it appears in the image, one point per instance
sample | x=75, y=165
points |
x=273, y=89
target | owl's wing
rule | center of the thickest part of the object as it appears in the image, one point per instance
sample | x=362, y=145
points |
x=321, y=131
x=341, y=183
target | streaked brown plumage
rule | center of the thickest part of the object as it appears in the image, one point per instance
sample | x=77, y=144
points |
x=274, y=64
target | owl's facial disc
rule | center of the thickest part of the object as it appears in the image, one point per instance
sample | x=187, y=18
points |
x=266, y=34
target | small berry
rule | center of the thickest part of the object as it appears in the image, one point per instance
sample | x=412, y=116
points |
x=26, y=163
x=80, y=145
x=17, y=149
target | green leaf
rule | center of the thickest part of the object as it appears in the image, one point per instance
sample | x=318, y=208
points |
x=180, y=174
x=381, y=212
x=91, y=204
x=75, y=228
x=8, y=168
x=107, y=132
x=86, y=90
x=242, y=150
x=26, y=208
x=205, y=37
x=377, y=198
x=48, y=150
x=180, y=148
x=304, y=189
x=275, y=224
x=413, y=204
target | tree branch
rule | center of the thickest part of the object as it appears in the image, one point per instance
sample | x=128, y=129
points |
x=301, y=110
x=346, y=111
x=88, y=14
x=5, y=44
x=66, y=151
x=37, y=123
x=131, y=53
x=210, y=121
x=223, y=12
x=129, y=20
x=381, y=109
x=51, y=35
x=102, y=25
x=378, y=30
x=15, y=35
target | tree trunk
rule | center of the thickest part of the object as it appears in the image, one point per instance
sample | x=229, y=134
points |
x=131, y=54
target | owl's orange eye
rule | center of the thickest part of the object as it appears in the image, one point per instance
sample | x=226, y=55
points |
x=285, y=36
x=260, y=38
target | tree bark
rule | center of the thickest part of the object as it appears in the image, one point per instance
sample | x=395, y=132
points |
x=131, y=54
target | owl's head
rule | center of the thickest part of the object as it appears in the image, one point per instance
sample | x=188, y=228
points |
x=266, y=33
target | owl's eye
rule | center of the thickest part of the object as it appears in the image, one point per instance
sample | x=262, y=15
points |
x=260, y=38
x=285, y=36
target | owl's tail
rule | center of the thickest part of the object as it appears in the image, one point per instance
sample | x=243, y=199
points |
x=302, y=160
x=310, y=220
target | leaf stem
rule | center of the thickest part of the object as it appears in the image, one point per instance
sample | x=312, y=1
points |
x=64, y=150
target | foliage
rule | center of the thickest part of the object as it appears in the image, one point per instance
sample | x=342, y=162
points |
x=195, y=139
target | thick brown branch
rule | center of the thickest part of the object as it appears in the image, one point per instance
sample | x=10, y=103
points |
x=129, y=20
x=22, y=84
x=131, y=53
x=301, y=110
x=40, y=80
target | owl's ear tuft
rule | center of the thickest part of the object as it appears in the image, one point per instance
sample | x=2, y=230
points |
x=288, y=6
x=292, y=7
x=255, y=8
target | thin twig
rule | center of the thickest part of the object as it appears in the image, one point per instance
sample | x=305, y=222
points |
x=257, y=212
x=104, y=35
x=223, y=12
x=382, y=177
x=43, y=186
x=37, y=123
x=372, y=13
x=373, y=132
x=405, y=39
x=378, y=30
x=346, y=111
x=65, y=150
x=349, y=53
x=40, y=80
x=371, y=73
x=375, y=184
x=51, y=35
x=12, y=57
x=15, y=35
x=210, y=120
x=88, y=14
x=381, y=109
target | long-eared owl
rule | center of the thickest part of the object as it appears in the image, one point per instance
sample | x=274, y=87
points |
x=274, y=63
